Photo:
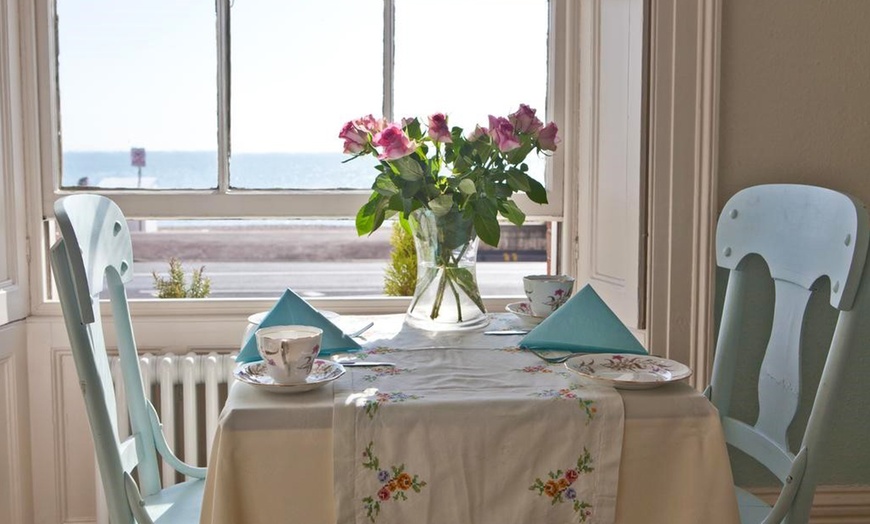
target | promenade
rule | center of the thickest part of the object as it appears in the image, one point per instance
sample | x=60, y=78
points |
x=316, y=261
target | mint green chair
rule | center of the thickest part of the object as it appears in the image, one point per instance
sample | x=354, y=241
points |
x=95, y=251
x=804, y=234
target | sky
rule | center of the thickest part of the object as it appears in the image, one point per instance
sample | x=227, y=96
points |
x=143, y=74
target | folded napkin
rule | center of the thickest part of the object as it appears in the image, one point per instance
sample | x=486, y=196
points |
x=291, y=309
x=583, y=324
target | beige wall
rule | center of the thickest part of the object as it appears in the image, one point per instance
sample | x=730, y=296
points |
x=795, y=107
x=795, y=94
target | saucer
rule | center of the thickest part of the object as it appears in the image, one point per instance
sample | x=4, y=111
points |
x=628, y=371
x=254, y=373
x=524, y=311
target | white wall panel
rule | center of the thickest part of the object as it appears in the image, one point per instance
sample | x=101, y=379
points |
x=14, y=427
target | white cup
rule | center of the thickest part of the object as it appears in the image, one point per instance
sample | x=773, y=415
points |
x=547, y=292
x=289, y=351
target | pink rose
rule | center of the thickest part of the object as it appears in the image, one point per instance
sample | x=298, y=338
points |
x=355, y=139
x=371, y=124
x=549, y=137
x=502, y=132
x=438, y=130
x=525, y=121
x=477, y=133
x=571, y=475
x=384, y=494
x=395, y=142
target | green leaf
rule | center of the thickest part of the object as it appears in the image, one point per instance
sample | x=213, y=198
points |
x=466, y=187
x=486, y=221
x=413, y=130
x=365, y=217
x=460, y=164
x=441, y=205
x=384, y=185
x=510, y=211
x=408, y=168
x=518, y=181
x=515, y=156
x=537, y=193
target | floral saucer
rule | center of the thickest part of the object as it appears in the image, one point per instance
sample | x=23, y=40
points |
x=524, y=311
x=322, y=372
x=628, y=371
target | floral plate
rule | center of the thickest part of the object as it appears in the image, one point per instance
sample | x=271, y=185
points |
x=524, y=311
x=628, y=371
x=322, y=372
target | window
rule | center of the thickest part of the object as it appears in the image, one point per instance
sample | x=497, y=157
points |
x=229, y=112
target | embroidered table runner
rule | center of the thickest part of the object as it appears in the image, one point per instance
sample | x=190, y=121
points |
x=473, y=435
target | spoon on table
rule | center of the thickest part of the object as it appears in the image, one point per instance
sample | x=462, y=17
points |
x=507, y=332
x=361, y=330
x=354, y=362
x=554, y=360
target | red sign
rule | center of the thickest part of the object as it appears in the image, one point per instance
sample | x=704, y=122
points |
x=137, y=156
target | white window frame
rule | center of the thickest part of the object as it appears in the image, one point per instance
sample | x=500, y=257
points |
x=682, y=106
x=224, y=202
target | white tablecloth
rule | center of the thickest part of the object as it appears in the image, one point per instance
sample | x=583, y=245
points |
x=467, y=436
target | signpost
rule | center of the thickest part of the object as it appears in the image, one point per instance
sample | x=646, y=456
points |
x=137, y=159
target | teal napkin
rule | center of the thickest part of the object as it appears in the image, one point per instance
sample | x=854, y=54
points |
x=291, y=309
x=583, y=324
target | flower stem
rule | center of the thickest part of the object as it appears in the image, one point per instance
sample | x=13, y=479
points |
x=456, y=295
x=439, y=295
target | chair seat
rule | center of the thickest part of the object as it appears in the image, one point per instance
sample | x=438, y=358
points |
x=753, y=510
x=181, y=503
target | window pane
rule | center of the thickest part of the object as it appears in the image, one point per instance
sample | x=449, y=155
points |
x=323, y=258
x=137, y=75
x=300, y=70
x=470, y=59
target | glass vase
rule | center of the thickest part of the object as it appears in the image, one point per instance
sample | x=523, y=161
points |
x=446, y=296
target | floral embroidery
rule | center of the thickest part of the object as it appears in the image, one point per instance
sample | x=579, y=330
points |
x=395, y=482
x=557, y=486
x=381, y=350
x=372, y=405
x=569, y=393
x=384, y=371
x=541, y=368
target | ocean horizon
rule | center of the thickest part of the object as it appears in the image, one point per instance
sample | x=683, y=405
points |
x=198, y=170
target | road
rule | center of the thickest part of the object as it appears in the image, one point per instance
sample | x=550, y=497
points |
x=319, y=279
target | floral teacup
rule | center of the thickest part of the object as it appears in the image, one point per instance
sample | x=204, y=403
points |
x=547, y=292
x=289, y=351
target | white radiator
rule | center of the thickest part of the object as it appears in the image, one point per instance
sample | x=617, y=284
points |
x=186, y=391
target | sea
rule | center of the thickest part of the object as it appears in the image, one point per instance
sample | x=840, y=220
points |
x=198, y=170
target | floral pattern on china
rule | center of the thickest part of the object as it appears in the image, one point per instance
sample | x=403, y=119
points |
x=628, y=371
x=484, y=169
x=559, y=298
x=255, y=374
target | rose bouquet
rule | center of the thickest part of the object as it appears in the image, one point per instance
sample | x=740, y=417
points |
x=458, y=183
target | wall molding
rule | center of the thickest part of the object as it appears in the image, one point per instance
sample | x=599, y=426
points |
x=683, y=145
x=832, y=504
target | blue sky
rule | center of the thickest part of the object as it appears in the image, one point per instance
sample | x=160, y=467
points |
x=143, y=73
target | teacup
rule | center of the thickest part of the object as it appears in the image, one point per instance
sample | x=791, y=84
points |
x=289, y=351
x=547, y=292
